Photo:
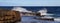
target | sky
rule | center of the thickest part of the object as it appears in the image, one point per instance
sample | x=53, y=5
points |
x=29, y=2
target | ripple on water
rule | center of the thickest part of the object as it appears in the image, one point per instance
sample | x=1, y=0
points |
x=31, y=20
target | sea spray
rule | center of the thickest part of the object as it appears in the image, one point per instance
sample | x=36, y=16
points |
x=20, y=9
x=44, y=12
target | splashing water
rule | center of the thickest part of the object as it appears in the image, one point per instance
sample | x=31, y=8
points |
x=20, y=9
x=44, y=12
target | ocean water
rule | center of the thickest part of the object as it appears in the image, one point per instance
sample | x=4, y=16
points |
x=51, y=9
x=30, y=19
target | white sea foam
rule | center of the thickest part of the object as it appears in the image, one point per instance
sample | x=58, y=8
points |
x=44, y=12
x=20, y=9
x=57, y=19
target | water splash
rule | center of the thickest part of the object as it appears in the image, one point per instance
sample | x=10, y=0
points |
x=44, y=12
x=20, y=9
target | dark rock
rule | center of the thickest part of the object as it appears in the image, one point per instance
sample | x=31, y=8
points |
x=49, y=19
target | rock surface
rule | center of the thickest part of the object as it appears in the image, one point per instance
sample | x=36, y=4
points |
x=9, y=16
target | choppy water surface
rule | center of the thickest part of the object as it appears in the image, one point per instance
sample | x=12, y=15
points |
x=30, y=19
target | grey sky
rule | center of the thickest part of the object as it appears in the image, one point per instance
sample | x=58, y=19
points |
x=29, y=2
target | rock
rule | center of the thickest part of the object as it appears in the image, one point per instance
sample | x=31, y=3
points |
x=46, y=18
x=39, y=14
x=9, y=16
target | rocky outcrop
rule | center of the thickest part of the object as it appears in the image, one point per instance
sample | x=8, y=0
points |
x=8, y=16
x=39, y=14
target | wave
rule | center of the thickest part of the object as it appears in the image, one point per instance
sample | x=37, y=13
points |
x=44, y=12
x=20, y=9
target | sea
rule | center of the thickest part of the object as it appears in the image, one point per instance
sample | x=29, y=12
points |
x=30, y=19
